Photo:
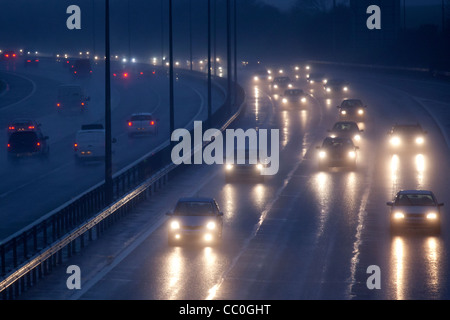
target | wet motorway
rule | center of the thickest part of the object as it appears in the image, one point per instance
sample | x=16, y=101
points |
x=303, y=233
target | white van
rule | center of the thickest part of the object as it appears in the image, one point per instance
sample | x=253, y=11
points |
x=90, y=143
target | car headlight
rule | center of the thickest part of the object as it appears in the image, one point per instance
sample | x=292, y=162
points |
x=311, y=81
x=285, y=100
x=325, y=81
x=269, y=77
x=395, y=141
x=175, y=225
x=303, y=99
x=255, y=78
x=229, y=166
x=352, y=154
x=343, y=112
x=360, y=112
x=259, y=166
x=399, y=215
x=322, y=154
x=211, y=225
x=275, y=86
x=420, y=140
x=328, y=89
x=432, y=216
x=357, y=137
x=345, y=88
x=290, y=85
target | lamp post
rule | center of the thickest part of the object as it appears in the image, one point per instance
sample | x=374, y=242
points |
x=108, y=146
x=209, y=65
x=171, y=95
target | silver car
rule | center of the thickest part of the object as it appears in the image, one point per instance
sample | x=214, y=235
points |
x=195, y=219
x=415, y=209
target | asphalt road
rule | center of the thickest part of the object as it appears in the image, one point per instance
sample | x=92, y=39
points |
x=303, y=233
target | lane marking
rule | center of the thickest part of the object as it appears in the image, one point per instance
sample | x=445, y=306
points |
x=33, y=90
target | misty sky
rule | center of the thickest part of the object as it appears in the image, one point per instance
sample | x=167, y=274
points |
x=286, y=4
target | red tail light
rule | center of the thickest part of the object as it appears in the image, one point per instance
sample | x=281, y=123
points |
x=36, y=60
x=75, y=72
x=11, y=128
x=14, y=55
x=141, y=73
x=58, y=104
x=82, y=103
x=125, y=75
x=75, y=146
x=114, y=74
x=7, y=55
x=130, y=123
x=28, y=60
x=38, y=144
x=9, y=146
x=152, y=123
x=31, y=127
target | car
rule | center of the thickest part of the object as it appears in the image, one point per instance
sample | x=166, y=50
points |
x=414, y=209
x=23, y=124
x=197, y=218
x=282, y=82
x=336, y=86
x=261, y=75
x=31, y=62
x=9, y=55
x=346, y=129
x=142, y=123
x=337, y=152
x=352, y=109
x=407, y=137
x=294, y=97
x=71, y=97
x=90, y=143
x=25, y=144
x=81, y=68
x=246, y=164
x=317, y=78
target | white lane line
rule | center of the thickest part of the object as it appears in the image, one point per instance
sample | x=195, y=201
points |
x=26, y=97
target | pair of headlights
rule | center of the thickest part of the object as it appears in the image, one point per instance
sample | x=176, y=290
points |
x=396, y=141
x=302, y=99
x=229, y=167
x=430, y=216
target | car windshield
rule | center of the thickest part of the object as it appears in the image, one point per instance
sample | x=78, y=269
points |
x=337, y=143
x=415, y=200
x=352, y=104
x=345, y=127
x=296, y=92
x=194, y=208
x=407, y=129
x=141, y=117
x=282, y=79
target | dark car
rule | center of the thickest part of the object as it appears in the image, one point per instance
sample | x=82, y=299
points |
x=294, y=97
x=337, y=152
x=31, y=62
x=27, y=144
x=246, y=164
x=336, y=86
x=415, y=209
x=346, y=129
x=81, y=68
x=9, y=55
x=317, y=78
x=407, y=138
x=352, y=109
x=283, y=82
x=195, y=219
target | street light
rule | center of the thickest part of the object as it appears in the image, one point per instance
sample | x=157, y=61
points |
x=108, y=147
